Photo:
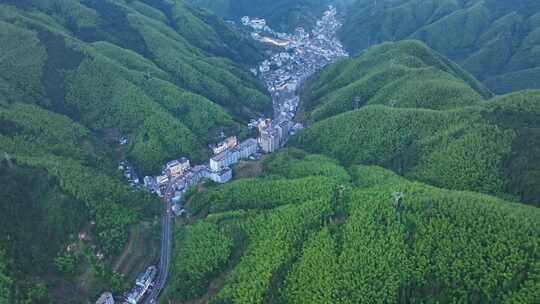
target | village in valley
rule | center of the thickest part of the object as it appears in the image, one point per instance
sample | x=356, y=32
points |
x=297, y=57
x=303, y=53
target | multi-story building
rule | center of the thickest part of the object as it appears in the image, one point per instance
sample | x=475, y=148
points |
x=283, y=131
x=221, y=176
x=269, y=140
x=223, y=160
x=246, y=148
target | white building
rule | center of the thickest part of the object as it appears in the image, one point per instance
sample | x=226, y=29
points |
x=222, y=176
x=246, y=148
x=105, y=298
x=269, y=140
x=135, y=295
x=257, y=24
x=146, y=278
x=223, y=160
x=162, y=180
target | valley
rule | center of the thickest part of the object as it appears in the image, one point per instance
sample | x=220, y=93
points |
x=303, y=55
x=269, y=151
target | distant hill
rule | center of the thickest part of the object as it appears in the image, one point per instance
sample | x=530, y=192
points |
x=282, y=15
x=496, y=40
x=75, y=77
x=312, y=231
x=403, y=74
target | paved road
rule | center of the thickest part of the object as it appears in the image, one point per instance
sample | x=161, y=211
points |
x=165, y=255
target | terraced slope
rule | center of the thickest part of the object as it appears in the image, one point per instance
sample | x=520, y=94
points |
x=495, y=40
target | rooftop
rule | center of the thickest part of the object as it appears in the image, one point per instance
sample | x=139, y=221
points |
x=221, y=156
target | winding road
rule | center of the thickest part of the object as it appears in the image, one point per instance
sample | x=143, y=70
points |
x=165, y=255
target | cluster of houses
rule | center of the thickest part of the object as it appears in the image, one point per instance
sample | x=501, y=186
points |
x=144, y=281
x=255, y=23
x=178, y=176
x=304, y=52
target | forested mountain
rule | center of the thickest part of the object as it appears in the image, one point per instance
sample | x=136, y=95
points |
x=498, y=41
x=413, y=181
x=75, y=77
x=158, y=72
x=310, y=231
x=405, y=108
x=57, y=180
x=405, y=74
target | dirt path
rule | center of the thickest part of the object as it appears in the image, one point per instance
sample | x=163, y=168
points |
x=125, y=253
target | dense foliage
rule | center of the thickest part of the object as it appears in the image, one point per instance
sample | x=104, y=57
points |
x=56, y=178
x=5, y=280
x=373, y=109
x=496, y=40
x=159, y=72
x=203, y=252
x=404, y=74
x=77, y=76
x=374, y=236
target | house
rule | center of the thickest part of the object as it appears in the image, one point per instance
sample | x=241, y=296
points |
x=162, y=180
x=177, y=167
x=178, y=210
x=135, y=295
x=146, y=278
x=105, y=298
x=228, y=143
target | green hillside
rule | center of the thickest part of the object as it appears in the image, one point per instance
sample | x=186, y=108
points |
x=345, y=237
x=495, y=40
x=407, y=108
x=57, y=178
x=403, y=74
x=158, y=72
x=76, y=76
x=491, y=147
x=282, y=15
